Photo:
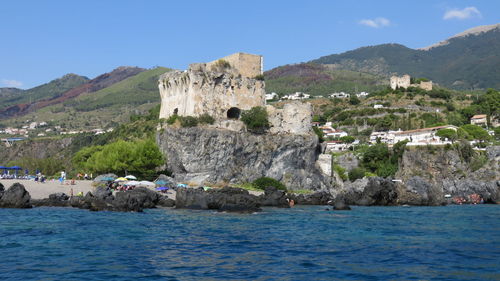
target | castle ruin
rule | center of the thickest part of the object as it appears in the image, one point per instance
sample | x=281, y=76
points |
x=221, y=88
x=405, y=82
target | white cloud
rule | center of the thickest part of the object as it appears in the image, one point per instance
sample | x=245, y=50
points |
x=12, y=83
x=376, y=23
x=465, y=13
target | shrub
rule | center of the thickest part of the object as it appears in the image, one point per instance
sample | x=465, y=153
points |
x=340, y=171
x=205, y=118
x=478, y=162
x=255, y=119
x=259, y=77
x=171, y=120
x=188, y=121
x=354, y=100
x=356, y=173
x=262, y=183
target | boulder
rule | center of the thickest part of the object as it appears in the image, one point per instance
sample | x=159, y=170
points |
x=273, y=197
x=15, y=197
x=317, y=198
x=164, y=201
x=371, y=191
x=2, y=190
x=100, y=178
x=225, y=199
x=55, y=200
x=103, y=193
x=135, y=200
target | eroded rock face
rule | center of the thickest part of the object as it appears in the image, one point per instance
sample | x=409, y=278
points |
x=293, y=118
x=203, y=155
x=15, y=197
x=273, y=197
x=370, y=192
x=428, y=176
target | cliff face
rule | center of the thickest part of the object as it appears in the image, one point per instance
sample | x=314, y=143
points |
x=205, y=155
x=430, y=175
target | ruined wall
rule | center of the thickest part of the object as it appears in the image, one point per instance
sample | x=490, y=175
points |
x=293, y=118
x=401, y=82
x=247, y=65
x=425, y=85
x=199, y=90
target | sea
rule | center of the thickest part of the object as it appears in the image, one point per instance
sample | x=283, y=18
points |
x=301, y=243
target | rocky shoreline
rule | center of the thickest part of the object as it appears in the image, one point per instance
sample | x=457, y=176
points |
x=372, y=191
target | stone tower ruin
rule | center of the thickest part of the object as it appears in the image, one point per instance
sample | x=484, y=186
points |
x=221, y=88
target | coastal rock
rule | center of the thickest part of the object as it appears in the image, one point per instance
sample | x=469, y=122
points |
x=225, y=199
x=429, y=175
x=164, y=201
x=103, y=193
x=273, y=197
x=2, y=190
x=135, y=200
x=55, y=200
x=317, y=198
x=208, y=155
x=15, y=196
x=101, y=178
x=371, y=191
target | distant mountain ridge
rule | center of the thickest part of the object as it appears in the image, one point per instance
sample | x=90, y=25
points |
x=468, y=60
x=67, y=87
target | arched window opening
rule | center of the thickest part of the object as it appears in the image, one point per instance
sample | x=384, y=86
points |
x=176, y=111
x=233, y=113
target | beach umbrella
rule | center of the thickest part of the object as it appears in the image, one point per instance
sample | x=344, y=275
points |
x=131, y=177
x=15, y=168
x=161, y=182
x=131, y=183
x=121, y=179
x=146, y=184
x=161, y=188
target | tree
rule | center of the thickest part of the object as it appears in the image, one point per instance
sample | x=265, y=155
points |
x=476, y=132
x=449, y=134
x=354, y=100
x=347, y=139
x=256, y=119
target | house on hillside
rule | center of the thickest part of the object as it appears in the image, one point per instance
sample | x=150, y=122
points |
x=480, y=120
x=272, y=96
x=340, y=95
x=424, y=136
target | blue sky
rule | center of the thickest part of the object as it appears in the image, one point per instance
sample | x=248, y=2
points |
x=43, y=40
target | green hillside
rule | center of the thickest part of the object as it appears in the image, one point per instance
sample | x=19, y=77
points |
x=465, y=62
x=317, y=79
x=136, y=90
x=49, y=90
x=102, y=109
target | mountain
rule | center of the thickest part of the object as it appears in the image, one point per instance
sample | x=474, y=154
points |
x=90, y=106
x=49, y=90
x=62, y=89
x=318, y=79
x=467, y=60
x=9, y=92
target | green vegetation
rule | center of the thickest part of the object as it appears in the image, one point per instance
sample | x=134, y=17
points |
x=378, y=159
x=49, y=90
x=139, y=157
x=205, y=118
x=188, y=121
x=340, y=171
x=356, y=173
x=262, y=183
x=446, y=64
x=256, y=119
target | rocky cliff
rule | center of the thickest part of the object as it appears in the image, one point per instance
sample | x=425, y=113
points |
x=207, y=155
x=431, y=174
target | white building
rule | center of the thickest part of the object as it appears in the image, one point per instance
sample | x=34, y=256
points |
x=378, y=106
x=362, y=95
x=479, y=120
x=328, y=131
x=400, y=82
x=296, y=96
x=425, y=136
x=271, y=96
x=340, y=95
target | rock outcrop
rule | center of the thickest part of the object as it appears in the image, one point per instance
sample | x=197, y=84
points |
x=205, y=155
x=15, y=196
x=370, y=191
x=225, y=199
x=429, y=175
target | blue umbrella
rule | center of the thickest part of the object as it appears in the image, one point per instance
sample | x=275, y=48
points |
x=15, y=168
x=161, y=182
x=161, y=188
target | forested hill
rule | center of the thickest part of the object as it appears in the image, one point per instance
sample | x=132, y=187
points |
x=469, y=60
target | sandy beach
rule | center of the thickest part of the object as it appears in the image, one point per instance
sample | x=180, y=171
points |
x=43, y=190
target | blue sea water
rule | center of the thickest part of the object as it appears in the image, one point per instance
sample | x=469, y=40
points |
x=303, y=243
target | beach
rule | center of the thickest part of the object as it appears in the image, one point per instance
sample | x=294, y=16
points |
x=43, y=190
